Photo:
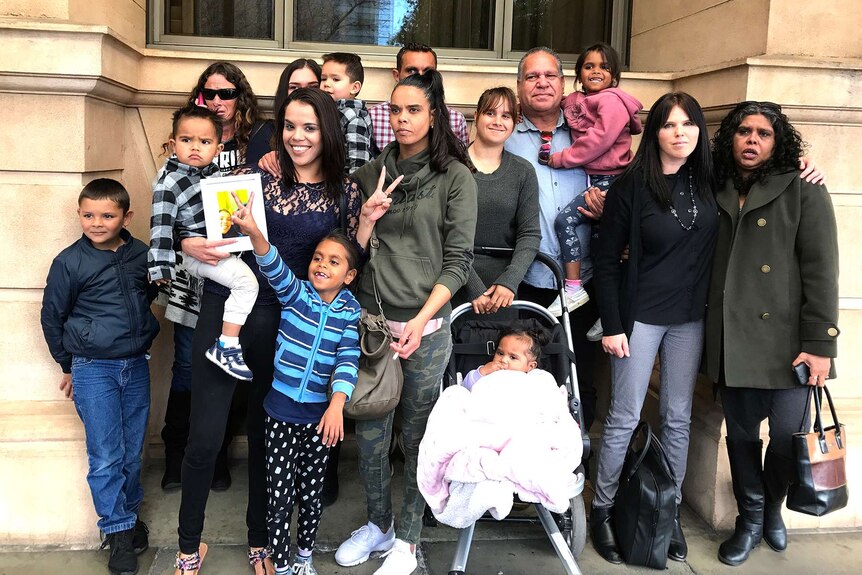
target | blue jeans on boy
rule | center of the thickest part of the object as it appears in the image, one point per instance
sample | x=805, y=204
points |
x=112, y=397
x=574, y=228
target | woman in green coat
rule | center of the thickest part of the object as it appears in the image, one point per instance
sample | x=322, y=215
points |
x=773, y=304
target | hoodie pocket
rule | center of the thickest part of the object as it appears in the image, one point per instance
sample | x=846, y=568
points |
x=404, y=281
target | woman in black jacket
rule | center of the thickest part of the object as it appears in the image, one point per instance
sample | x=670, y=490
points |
x=662, y=208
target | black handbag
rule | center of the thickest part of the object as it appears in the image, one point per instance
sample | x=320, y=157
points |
x=819, y=484
x=645, y=505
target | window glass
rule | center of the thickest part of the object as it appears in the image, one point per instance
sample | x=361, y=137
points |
x=223, y=18
x=567, y=26
x=465, y=24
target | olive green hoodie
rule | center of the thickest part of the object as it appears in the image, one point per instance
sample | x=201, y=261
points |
x=426, y=236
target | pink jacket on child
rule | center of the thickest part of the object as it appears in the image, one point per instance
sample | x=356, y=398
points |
x=602, y=125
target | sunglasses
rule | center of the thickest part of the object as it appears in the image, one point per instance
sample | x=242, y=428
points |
x=545, y=148
x=223, y=93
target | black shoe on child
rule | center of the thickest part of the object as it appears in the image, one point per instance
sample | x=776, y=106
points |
x=140, y=537
x=123, y=560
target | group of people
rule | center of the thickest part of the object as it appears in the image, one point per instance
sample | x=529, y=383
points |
x=400, y=194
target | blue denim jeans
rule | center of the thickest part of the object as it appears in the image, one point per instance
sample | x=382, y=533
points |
x=112, y=397
x=182, y=368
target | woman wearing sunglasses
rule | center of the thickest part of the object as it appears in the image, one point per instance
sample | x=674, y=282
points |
x=223, y=88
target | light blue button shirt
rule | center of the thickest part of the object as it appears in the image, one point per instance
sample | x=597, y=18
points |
x=557, y=188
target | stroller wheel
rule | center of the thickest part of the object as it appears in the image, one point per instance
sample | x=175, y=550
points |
x=573, y=525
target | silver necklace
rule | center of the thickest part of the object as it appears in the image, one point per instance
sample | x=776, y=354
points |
x=692, y=211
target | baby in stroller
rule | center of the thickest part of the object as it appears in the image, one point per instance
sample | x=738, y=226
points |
x=506, y=429
x=518, y=350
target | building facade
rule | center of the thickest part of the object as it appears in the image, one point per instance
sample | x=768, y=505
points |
x=84, y=93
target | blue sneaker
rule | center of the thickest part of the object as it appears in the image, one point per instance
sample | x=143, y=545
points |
x=230, y=360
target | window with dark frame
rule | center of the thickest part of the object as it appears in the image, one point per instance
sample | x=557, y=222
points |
x=462, y=25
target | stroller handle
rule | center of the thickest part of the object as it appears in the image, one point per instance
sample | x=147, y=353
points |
x=545, y=259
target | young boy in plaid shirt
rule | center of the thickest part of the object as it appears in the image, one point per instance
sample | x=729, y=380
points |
x=178, y=213
x=341, y=77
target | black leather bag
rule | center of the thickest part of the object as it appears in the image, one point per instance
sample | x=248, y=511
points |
x=819, y=485
x=645, y=505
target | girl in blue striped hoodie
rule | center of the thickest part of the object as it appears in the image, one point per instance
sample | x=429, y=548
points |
x=317, y=350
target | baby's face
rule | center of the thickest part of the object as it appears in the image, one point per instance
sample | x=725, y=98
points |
x=514, y=353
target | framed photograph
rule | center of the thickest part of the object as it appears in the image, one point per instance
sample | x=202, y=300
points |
x=219, y=205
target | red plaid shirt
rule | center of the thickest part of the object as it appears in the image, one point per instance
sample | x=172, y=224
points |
x=383, y=133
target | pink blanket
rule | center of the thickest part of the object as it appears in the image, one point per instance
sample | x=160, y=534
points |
x=515, y=431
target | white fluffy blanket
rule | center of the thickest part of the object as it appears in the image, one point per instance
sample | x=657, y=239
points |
x=512, y=434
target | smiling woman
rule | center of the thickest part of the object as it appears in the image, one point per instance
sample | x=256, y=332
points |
x=300, y=209
x=507, y=194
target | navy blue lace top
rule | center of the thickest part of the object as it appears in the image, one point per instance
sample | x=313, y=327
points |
x=297, y=218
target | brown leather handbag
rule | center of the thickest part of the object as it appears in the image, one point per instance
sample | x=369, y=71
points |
x=819, y=485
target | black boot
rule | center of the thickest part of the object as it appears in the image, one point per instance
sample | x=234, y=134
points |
x=175, y=434
x=678, y=549
x=123, y=560
x=776, y=477
x=329, y=493
x=746, y=472
x=602, y=535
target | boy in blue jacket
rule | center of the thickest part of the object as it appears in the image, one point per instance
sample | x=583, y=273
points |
x=98, y=325
x=317, y=351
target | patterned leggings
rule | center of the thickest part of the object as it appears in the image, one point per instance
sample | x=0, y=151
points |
x=571, y=224
x=295, y=466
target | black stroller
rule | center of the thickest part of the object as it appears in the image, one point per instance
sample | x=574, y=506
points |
x=474, y=339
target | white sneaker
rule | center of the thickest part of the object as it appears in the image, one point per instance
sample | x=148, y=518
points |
x=362, y=543
x=596, y=332
x=399, y=560
x=574, y=299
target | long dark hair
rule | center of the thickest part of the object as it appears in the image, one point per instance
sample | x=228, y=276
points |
x=648, y=160
x=789, y=146
x=331, y=140
x=247, y=112
x=284, y=81
x=442, y=142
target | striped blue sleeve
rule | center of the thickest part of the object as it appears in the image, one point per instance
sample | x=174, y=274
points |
x=287, y=287
x=347, y=358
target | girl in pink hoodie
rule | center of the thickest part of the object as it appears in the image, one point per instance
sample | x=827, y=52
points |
x=602, y=119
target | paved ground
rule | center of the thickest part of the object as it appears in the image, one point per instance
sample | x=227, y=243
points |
x=498, y=549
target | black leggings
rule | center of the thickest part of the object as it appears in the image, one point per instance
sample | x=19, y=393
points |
x=212, y=390
x=745, y=409
x=295, y=466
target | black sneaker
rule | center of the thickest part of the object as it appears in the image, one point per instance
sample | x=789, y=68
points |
x=140, y=537
x=123, y=560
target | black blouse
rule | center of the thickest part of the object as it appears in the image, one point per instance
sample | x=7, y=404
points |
x=675, y=265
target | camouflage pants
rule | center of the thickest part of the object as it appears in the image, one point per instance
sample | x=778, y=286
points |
x=423, y=371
